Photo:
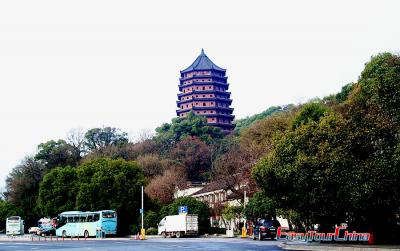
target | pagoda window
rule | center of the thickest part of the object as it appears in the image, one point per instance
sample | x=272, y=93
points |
x=181, y=106
x=204, y=88
x=204, y=96
x=204, y=104
x=212, y=103
x=197, y=103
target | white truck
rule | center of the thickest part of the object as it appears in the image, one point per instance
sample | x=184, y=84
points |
x=179, y=225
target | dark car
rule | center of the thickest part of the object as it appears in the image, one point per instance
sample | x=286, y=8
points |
x=266, y=229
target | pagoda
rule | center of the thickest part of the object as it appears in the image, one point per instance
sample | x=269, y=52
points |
x=203, y=89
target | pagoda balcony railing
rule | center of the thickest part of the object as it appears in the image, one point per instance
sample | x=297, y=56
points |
x=213, y=108
x=203, y=76
x=201, y=108
x=200, y=99
x=225, y=93
x=181, y=85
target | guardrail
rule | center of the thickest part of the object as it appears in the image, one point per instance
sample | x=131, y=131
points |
x=34, y=237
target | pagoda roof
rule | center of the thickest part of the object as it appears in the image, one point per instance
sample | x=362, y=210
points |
x=202, y=62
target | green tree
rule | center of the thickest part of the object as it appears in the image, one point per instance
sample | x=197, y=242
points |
x=309, y=112
x=343, y=165
x=57, y=192
x=257, y=139
x=260, y=206
x=373, y=113
x=111, y=184
x=150, y=219
x=308, y=171
x=344, y=93
x=230, y=213
x=6, y=210
x=190, y=126
x=99, y=138
x=95, y=185
x=22, y=187
x=248, y=121
x=194, y=207
x=58, y=153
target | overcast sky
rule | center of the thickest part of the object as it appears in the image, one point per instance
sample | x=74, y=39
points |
x=83, y=64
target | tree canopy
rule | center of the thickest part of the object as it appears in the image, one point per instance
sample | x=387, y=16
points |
x=58, y=153
x=343, y=165
x=190, y=126
x=94, y=185
x=100, y=138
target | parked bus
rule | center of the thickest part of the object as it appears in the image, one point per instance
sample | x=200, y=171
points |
x=86, y=224
x=14, y=225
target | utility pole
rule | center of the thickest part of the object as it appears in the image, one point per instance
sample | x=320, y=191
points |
x=244, y=231
x=142, y=231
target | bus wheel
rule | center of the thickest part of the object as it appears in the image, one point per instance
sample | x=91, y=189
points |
x=178, y=234
x=164, y=235
x=86, y=234
x=64, y=234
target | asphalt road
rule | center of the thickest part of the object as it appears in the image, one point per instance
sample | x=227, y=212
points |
x=172, y=244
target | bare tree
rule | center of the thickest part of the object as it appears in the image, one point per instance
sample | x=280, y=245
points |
x=76, y=138
x=142, y=136
x=162, y=188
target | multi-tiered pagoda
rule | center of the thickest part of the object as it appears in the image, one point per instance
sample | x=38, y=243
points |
x=203, y=90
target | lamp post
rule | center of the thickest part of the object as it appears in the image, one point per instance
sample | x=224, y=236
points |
x=142, y=231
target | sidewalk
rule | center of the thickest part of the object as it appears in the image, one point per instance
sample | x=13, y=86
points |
x=334, y=246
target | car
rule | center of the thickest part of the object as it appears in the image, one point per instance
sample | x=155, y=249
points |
x=265, y=229
x=33, y=230
x=46, y=231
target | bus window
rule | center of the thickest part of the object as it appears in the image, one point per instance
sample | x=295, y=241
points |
x=61, y=221
x=82, y=219
x=108, y=215
x=96, y=217
x=90, y=218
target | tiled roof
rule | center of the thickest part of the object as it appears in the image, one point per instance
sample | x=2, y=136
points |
x=202, y=62
x=213, y=186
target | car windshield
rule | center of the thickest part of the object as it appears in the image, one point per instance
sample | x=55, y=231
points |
x=269, y=223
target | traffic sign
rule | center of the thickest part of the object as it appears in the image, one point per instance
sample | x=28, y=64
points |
x=183, y=210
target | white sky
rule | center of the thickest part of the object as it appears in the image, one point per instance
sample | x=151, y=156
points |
x=83, y=64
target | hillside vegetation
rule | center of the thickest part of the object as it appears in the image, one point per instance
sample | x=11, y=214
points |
x=330, y=161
